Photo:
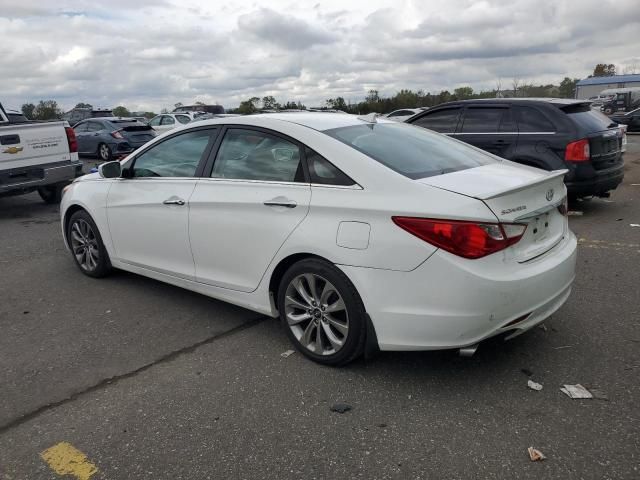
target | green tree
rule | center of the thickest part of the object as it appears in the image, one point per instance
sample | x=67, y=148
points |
x=46, y=110
x=249, y=106
x=604, y=70
x=463, y=93
x=372, y=97
x=269, y=103
x=28, y=109
x=337, y=103
x=121, y=111
x=568, y=87
x=83, y=105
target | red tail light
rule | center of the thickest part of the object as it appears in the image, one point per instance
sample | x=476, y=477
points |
x=578, y=151
x=71, y=139
x=465, y=239
x=117, y=134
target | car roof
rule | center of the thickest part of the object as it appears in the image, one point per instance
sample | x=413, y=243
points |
x=524, y=101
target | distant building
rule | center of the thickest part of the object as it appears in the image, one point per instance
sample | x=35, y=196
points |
x=590, y=87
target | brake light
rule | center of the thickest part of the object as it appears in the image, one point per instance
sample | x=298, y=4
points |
x=71, y=139
x=117, y=134
x=465, y=239
x=578, y=151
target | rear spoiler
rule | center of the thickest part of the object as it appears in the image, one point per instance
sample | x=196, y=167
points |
x=536, y=181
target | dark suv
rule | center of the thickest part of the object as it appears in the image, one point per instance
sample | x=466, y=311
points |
x=551, y=134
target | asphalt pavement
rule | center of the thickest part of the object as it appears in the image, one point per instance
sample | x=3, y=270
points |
x=139, y=379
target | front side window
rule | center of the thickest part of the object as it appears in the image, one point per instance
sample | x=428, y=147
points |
x=443, y=121
x=412, y=152
x=255, y=155
x=177, y=156
x=155, y=121
x=167, y=120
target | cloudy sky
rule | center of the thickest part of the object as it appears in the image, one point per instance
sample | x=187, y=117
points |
x=150, y=54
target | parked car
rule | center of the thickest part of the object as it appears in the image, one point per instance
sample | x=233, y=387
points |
x=551, y=134
x=38, y=156
x=600, y=100
x=76, y=115
x=630, y=119
x=357, y=232
x=168, y=121
x=404, y=113
x=200, y=108
x=112, y=137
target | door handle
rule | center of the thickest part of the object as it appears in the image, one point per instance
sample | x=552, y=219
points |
x=281, y=202
x=174, y=201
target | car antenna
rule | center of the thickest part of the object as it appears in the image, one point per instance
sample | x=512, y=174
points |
x=370, y=118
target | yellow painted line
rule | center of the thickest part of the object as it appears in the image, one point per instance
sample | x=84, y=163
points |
x=65, y=459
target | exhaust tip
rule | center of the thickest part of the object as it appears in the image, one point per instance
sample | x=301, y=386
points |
x=468, y=351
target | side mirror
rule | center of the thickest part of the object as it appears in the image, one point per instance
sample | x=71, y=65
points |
x=110, y=169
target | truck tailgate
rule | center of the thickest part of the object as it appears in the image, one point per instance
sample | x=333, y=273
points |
x=26, y=145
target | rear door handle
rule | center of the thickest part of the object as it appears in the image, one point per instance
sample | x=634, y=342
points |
x=174, y=201
x=281, y=202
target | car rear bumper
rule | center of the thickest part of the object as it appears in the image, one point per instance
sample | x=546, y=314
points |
x=450, y=302
x=601, y=182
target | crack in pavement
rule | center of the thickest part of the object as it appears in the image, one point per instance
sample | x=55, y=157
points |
x=116, y=378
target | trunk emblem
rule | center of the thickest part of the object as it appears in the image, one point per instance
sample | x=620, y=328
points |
x=550, y=194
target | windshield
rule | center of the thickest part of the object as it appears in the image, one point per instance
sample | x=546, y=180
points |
x=411, y=151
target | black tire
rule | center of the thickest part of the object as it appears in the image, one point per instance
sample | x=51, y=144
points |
x=104, y=152
x=100, y=266
x=51, y=194
x=353, y=342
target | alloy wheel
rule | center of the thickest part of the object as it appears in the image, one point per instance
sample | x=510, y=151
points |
x=316, y=314
x=104, y=152
x=84, y=245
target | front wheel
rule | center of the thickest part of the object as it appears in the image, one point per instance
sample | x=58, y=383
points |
x=86, y=245
x=322, y=312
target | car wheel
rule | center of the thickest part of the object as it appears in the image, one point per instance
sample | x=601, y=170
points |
x=51, y=193
x=86, y=245
x=608, y=110
x=322, y=312
x=104, y=152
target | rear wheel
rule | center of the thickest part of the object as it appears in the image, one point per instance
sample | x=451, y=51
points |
x=86, y=245
x=322, y=312
x=51, y=193
x=104, y=152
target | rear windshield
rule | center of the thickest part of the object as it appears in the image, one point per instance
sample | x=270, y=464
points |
x=411, y=151
x=587, y=118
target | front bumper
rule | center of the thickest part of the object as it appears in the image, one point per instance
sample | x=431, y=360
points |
x=29, y=178
x=450, y=302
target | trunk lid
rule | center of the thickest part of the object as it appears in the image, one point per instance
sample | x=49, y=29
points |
x=515, y=194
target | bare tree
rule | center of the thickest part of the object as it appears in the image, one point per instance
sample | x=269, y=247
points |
x=515, y=83
x=499, y=88
x=631, y=69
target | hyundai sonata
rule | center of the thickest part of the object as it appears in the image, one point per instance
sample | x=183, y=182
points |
x=358, y=232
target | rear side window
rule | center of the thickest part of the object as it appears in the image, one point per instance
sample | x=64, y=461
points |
x=183, y=118
x=167, y=120
x=443, y=121
x=95, y=126
x=256, y=155
x=82, y=127
x=532, y=120
x=586, y=118
x=412, y=152
x=323, y=172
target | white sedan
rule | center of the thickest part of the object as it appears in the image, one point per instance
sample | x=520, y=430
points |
x=357, y=232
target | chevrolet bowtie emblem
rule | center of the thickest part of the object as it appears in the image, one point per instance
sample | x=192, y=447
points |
x=12, y=150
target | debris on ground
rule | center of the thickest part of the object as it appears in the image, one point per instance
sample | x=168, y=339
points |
x=287, y=354
x=598, y=394
x=534, y=386
x=563, y=346
x=634, y=224
x=542, y=326
x=535, y=455
x=526, y=371
x=340, y=407
x=576, y=391
x=575, y=213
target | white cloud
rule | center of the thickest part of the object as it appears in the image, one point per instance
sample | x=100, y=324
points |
x=150, y=54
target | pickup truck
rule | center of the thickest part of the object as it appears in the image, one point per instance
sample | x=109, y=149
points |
x=34, y=155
